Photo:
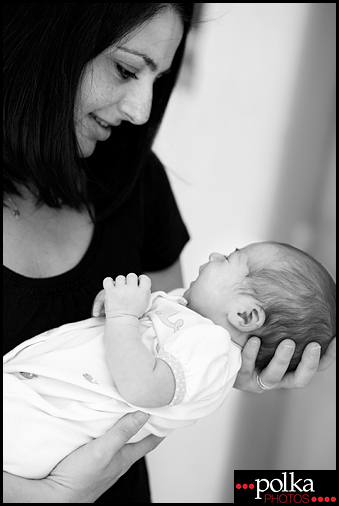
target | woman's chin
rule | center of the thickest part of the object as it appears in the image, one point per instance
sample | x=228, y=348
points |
x=87, y=148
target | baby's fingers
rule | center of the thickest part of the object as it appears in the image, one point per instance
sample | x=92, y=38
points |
x=98, y=308
x=145, y=282
x=108, y=283
x=132, y=279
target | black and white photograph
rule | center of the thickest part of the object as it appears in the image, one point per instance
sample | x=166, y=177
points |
x=169, y=253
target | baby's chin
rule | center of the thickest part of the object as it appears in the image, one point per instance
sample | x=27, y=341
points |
x=186, y=294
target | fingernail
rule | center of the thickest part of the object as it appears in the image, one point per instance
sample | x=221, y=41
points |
x=289, y=349
x=140, y=418
x=254, y=342
x=314, y=352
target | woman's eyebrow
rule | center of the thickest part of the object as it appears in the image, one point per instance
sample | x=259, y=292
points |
x=149, y=62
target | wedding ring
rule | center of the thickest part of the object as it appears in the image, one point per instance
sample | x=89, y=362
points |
x=262, y=384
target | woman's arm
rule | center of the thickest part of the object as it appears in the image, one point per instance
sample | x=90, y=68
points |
x=141, y=378
x=84, y=475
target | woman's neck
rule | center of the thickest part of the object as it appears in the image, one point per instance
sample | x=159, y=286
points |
x=44, y=241
x=20, y=206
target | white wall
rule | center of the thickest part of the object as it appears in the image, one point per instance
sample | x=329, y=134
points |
x=223, y=141
x=224, y=135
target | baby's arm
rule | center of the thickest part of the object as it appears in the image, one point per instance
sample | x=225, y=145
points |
x=140, y=378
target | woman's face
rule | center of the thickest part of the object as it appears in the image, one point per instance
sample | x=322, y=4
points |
x=118, y=85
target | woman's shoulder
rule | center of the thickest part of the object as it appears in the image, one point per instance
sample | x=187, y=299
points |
x=155, y=184
x=153, y=168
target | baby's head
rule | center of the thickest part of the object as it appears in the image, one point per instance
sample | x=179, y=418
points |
x=270, y=290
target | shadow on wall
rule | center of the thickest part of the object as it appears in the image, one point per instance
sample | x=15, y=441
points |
x=296, y=429
x=189, y=67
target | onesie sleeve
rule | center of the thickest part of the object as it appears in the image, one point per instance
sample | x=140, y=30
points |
x=205, y=363
x=179, y=376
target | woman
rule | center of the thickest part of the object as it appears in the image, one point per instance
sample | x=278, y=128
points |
x=77, y=210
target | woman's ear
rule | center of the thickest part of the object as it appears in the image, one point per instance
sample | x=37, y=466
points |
x=246, y=316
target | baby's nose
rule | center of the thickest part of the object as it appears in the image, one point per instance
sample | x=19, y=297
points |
x=216, y=257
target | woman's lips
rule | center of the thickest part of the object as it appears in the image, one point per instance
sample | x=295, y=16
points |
x=100, y=133
x=102, y=122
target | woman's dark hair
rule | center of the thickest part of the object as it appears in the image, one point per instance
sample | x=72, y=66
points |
x=46, y=48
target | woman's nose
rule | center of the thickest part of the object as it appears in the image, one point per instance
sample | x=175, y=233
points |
x=216, y=257
x=135, y=106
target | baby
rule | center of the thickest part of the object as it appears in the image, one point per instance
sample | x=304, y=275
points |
x=175, y=356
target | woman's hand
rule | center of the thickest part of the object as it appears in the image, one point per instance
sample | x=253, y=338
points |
x=92, y=469
x=84, y=475
x=273, y=376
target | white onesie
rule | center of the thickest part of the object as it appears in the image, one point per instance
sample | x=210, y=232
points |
x=59, y=394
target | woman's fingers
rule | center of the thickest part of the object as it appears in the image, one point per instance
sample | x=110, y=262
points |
x=329, y=356
x=277, y=367
x=305, y=370
x=135, y=451
x=106, y=446
x=244, y=379
x=249, y=356
x=112, y=449
x=90, y=470
x=272, y=375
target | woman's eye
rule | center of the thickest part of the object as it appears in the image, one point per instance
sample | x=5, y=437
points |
x=125, y=74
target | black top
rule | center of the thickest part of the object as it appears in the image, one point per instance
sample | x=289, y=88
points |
x=144, y=234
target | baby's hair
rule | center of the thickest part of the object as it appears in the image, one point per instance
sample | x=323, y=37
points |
x=298, y=296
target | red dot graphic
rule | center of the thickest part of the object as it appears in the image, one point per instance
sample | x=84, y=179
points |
x=245, y=485
x=314, y=499
x=251, y=485
x=238, y=486
x=333, y=499
x=320, y=499
x=326, y=499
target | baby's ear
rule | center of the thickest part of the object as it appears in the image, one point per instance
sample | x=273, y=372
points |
x=246, y=315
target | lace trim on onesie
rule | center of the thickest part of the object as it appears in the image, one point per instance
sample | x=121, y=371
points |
x=179, y=376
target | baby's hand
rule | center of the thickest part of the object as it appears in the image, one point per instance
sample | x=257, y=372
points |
x=127, y=296
x=98, y=308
